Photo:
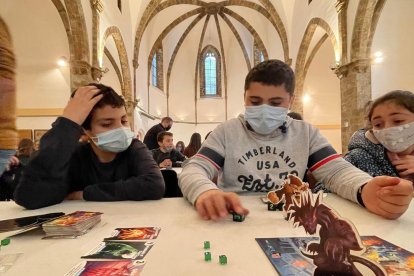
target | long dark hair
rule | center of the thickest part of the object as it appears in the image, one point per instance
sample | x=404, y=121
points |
x=194, y=146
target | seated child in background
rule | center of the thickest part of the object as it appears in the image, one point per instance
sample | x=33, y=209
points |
x=112, y=167
x=166, y=156
x=388, y=147
x=255, y=152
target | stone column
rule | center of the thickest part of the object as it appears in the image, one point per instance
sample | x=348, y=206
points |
x=81, y=73
x=97, y=8
x=355, y=81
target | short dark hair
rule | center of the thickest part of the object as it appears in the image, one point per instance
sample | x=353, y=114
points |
x=166, y=119
x=295, y=115
x=272, y=72
x=110, y=97
x=160, y=135
x=399, y=97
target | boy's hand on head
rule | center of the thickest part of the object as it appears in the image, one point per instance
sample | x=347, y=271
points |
x=387, y=196
x=216, y=204
x=79, y=107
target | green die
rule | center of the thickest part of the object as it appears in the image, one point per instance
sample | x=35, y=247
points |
x=238, y=217
x=206, y=245
x=222, y=259
x=5, y=242
x=207, y=256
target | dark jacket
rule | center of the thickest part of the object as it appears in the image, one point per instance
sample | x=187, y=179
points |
x=63, y=165
x=150, y=139
x=173, y=155
x=369, y=157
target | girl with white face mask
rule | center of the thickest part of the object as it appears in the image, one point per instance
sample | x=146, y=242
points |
x=387, y=148
x=392, y=120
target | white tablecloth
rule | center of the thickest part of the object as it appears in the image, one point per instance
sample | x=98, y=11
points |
x=179, y=247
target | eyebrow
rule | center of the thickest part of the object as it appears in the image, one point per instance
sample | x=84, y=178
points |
x=274, y=98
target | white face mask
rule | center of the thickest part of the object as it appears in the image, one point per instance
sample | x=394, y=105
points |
x=265, y=118
x=396, y=139
x=115, y=140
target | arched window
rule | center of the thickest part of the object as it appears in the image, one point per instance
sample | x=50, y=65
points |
x=258, y=53
x=157, y=69
x=154, y=70
x=210, y=72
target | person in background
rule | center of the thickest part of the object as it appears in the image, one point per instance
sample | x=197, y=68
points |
x=255, y=152
x=111, y=167
x=180, y=147
x=166, y=156
x=11, y=176
x=386, y=146
x=150, y=139
x=295, y=115
x=8, y=131
x=194, y=146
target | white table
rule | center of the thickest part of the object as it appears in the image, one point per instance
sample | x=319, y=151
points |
x=179, y=247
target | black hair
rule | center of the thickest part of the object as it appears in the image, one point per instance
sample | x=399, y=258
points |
x=166, y=119
x=160, y=135
x=295, y=115
x=272, y=72
x=399, y=97
x=110, y=97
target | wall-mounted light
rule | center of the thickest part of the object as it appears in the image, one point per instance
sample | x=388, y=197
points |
x=378, y=57
x=306, y=98
x=62, y=61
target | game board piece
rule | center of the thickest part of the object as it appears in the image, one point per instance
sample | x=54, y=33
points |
x=335, y=233
x=222, y=259
x=238, y=217
x=5, y=242
x=206, y=245
x=271, y=206
x=207, y=256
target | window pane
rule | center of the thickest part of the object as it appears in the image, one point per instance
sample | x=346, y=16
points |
x=261, y=56
x=154, y=70
x=210, y=73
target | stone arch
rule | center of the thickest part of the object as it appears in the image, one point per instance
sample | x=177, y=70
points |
x=301, y=63
x=156, y=6
x=75, y=26
x=123, y=58
x=366, y=21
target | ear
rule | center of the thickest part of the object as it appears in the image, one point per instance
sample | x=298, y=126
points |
x=292, y=99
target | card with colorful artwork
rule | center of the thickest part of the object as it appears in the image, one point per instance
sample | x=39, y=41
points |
x=120, y=250
x=107, y=268
x=134, y=233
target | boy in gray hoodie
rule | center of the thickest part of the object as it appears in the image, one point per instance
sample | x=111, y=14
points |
x=256, y=151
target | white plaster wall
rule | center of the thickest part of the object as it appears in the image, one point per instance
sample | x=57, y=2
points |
x=40, y=82
x=394, y=38
x=303, y=13
x=322, y=85
x=111, y=78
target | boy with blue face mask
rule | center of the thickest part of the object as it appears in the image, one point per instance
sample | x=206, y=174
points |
x=256, y=151
x=112, y=166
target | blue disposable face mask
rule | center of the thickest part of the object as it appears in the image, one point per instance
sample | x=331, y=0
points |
x=264, y=118
x=115, y=140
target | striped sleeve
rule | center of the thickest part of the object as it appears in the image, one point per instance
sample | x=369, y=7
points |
x=322, y=157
